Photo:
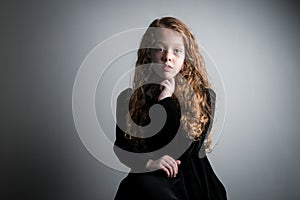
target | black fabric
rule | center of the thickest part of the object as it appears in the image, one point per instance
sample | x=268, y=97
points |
x=195, y=179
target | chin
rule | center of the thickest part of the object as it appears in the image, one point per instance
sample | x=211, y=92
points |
x=163, y=75
x=168, y=76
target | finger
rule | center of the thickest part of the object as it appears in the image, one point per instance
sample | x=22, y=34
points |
x=173, y=164
x=172, y=81
x=166, y=170
x=174, y=167
x=165, y=83
x=178, y=162
x=171, y=161
x=168, y=87
x=170, y=168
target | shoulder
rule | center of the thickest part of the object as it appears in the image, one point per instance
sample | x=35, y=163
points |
x=123, y=101
x=125, y=94
x=211, y=94
x=122, y=106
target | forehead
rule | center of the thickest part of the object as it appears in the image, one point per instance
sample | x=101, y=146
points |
x=168, y=36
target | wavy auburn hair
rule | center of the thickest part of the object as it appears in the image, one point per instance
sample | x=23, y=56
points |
x=191, y=83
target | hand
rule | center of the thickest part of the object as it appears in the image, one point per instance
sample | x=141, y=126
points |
x=165, y=163
x=168, y=88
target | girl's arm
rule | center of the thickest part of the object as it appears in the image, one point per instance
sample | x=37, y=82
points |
x=131, y=153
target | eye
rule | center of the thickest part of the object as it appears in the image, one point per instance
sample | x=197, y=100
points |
x=178, y=51
x=159, y=49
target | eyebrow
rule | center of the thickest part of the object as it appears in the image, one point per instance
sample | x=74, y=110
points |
x=176, y=44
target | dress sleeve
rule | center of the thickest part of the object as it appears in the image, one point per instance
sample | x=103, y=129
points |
x=127, y=152
x=212, y=103
x=131, y=153
x=170, y=127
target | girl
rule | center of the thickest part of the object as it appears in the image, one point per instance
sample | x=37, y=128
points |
x=168, y=162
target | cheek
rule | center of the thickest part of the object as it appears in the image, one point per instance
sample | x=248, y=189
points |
x=178, y=68
x=155, y=57
x=180, y=64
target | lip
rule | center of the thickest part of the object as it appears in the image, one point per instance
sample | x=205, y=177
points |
x=167, y=68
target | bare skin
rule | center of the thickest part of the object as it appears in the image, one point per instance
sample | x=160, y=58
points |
x=165, y=163
x=169, y=57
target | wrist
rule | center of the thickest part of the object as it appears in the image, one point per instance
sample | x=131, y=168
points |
x=164, y=95
x=148, y=164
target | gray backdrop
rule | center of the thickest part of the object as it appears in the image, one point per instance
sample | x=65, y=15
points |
x=254, y=43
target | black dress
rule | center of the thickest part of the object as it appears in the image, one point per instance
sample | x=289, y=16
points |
x=195, y=179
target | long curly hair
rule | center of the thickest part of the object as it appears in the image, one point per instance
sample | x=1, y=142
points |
x=191, y=82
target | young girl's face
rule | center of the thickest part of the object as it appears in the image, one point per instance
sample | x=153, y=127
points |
x=168, y=53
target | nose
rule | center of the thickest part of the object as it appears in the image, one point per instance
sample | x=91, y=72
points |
x=167, y=56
